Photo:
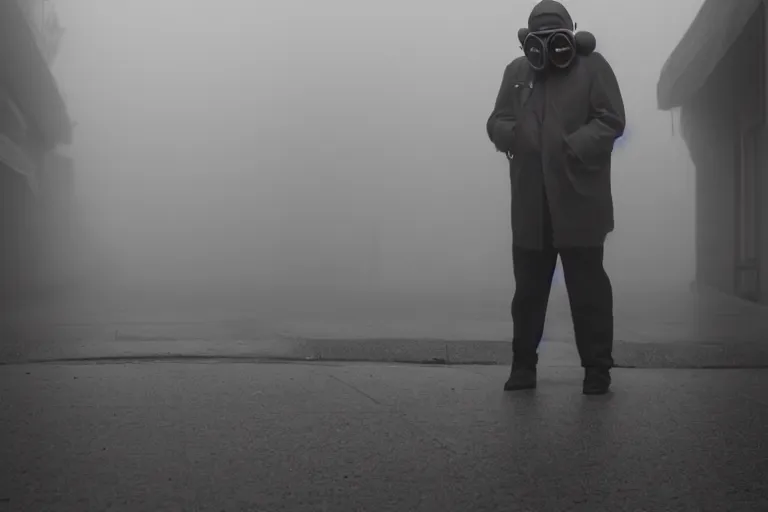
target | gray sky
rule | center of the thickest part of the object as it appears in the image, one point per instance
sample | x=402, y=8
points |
x=342, y=141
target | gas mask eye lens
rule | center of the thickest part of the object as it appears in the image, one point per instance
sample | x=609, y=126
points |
x=561, y=50
x=536, y=52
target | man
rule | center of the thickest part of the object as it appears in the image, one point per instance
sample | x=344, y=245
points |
x=557, y=115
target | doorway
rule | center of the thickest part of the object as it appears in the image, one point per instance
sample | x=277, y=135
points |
x=747, y=268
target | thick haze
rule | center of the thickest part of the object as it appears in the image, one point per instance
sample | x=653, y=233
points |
x=341, y=143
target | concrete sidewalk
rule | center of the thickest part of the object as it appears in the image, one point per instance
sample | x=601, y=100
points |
x=224, y=436
x=655, y=328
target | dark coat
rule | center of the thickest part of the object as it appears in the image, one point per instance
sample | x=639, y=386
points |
x=558, y=131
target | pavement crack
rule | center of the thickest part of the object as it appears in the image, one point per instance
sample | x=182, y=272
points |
x=358, y=390
x=436, y=440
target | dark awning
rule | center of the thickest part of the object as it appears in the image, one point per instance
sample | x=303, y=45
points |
x=713, y=31
x=29, y=79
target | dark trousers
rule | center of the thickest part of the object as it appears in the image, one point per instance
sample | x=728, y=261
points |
x=589, y=292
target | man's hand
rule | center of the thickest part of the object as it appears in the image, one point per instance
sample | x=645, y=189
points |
x=502, y=121
x=503, y=135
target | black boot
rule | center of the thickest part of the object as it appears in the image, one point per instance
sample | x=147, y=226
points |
x=597, y=381
x=521, y=377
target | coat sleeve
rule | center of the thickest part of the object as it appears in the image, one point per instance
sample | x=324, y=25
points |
x=594, y=140
x=501, y=123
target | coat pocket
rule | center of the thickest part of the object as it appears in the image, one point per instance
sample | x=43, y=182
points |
x=588, y=178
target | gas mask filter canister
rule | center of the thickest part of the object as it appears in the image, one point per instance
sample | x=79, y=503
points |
x=557, y=47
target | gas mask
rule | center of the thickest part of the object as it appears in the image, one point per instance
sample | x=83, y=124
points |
x=556, y=47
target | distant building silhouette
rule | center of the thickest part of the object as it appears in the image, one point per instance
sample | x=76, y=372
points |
x=33, y=123
x=717, y=75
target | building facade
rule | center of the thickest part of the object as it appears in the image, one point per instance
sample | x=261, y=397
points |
x=34, y=124
x=717, y=77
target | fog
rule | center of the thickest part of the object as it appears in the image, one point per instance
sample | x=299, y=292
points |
x=333, y=145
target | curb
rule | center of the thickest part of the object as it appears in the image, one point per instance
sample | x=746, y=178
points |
x=414, y=351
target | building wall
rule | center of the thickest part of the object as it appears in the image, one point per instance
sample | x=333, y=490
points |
x=24, y=228
x=26, y=75
x=43, y=19
x=16, y=236
x=710, y=142
x=747, y=62
x=763, y=166
x=732, y=100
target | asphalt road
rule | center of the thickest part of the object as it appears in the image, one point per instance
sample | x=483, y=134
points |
x=227, y=436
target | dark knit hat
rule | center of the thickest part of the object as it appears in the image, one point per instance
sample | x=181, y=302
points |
x=549, y=14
